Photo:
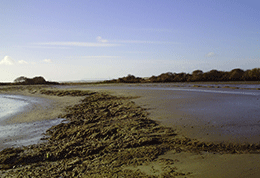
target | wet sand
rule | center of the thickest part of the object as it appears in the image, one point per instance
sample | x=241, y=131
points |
x=27, y=126
x=177, y=109
x=169, y=113
x=46, y=107
x=224, y=115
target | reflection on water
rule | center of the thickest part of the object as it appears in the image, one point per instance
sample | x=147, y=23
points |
x=11, y=104
x=251, y=86
x=209, y=90
x=16, y=135
x=184, y=88
x=20, y=134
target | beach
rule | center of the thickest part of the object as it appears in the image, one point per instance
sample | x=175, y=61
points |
x=207, y=114
x=37, y=116
x=186, y=145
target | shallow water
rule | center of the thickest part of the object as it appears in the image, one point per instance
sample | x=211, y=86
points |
x=21, y=134
x=24, y=134
x=11, y=104
x=251, y=86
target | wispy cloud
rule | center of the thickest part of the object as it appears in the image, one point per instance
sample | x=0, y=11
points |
x=153, y=29
x=94, y=57
x=144, y=42
x=78, y=44
x=160, y=30
x=101, y=57
x=211, y=54
x=38, y=46
x=7, y=61
x=47, y=60
x=135, y=52
x=100, y=43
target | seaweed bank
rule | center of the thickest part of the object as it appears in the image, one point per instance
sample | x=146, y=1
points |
x=109, y=136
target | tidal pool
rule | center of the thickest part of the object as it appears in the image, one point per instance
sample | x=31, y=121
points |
x=14, y=134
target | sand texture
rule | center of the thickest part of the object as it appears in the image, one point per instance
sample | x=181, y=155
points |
x=110, y=135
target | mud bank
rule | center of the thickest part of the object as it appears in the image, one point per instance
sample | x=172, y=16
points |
x=108, y=136
x=215, y=115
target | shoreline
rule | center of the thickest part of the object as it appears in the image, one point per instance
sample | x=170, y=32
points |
x=44, y=108
x=12, y=105
x=41, y=109
x=177, y=109
x=119, y=138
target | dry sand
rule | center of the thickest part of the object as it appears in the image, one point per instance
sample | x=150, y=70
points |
x=161, y=109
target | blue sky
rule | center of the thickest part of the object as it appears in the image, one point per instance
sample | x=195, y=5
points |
x=65, y=40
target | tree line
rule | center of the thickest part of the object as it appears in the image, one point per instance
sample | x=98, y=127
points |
x=30, y=81
x=195, y=76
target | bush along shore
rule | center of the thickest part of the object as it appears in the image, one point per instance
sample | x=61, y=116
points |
x=104, y=137
x=196, y=76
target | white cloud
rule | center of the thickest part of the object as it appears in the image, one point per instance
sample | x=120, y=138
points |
x=211, y=54
x=101, y=40
x=7, y=61
x=22, y=62
x=47, y=60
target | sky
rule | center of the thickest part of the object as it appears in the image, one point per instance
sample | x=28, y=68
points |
x=66, y=40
